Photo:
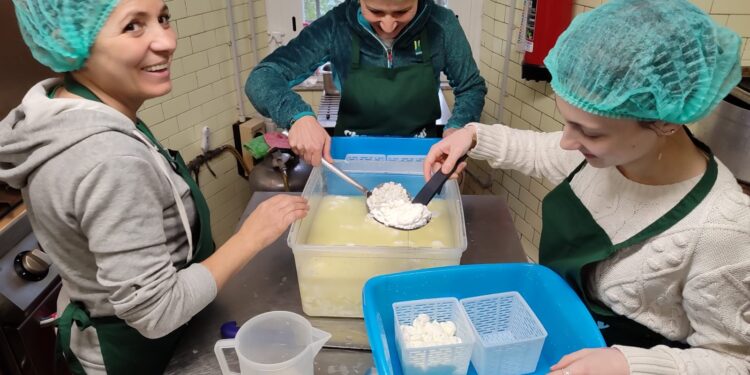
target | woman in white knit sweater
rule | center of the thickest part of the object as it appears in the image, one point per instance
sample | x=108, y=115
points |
x=649, y=229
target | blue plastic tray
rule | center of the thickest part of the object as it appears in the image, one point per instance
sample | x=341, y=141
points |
x=567, y=321
x=342, y=146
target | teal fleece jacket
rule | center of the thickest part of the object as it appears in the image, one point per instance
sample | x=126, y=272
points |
x=269, y=86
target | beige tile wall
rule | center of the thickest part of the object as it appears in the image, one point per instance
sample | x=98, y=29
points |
x=204, y=94
x=530, y=105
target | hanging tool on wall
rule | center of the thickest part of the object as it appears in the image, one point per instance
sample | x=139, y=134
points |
x=207, y=154
x=195, y=165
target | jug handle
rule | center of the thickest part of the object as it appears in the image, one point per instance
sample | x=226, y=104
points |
x=219, y=351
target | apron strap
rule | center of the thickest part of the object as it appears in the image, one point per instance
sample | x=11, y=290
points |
x=175, y=193
x=205, y=240
x=681, y=209
x=666, y=221
x=144, y=130
x=73, y=86
x=73, y=313
x=685, y=205
x=575, y=171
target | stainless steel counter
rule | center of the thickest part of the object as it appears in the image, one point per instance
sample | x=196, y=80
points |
x=269, y=282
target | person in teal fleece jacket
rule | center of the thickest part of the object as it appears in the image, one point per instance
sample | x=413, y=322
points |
x=386, y=57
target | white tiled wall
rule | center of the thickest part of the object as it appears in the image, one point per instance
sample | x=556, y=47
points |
x=530, y=105
x=204, y=94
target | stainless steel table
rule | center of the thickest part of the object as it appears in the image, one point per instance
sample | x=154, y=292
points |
x=269, y=282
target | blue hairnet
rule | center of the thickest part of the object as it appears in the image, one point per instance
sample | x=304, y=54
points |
x=645, y=59
x=60, y=32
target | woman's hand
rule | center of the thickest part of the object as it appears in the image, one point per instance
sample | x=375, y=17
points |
x=310, y=141
x=445, y=153
x=264, y=225
x=592, y=362
x=272, y=217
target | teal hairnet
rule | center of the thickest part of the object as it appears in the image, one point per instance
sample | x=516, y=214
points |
x=645, y=59
x=60, y=33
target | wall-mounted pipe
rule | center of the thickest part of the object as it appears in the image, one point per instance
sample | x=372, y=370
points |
x=238, y=82
x=236, y=60
x=253, y=39
x=506, y=62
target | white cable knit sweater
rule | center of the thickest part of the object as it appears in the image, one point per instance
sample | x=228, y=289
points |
x=690, y=283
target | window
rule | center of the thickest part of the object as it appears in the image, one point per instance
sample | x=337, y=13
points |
x=316, y=8
x=469, y=13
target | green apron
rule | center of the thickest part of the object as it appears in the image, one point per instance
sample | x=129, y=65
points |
x=124, y=349
x=572, y=243
x=399, y=101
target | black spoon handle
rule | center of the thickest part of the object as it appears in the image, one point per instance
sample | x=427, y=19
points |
x=435, y=183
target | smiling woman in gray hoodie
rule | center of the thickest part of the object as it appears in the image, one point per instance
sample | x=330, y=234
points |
x=118, y=214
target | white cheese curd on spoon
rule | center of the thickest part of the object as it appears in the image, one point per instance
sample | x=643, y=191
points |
x=391, y=205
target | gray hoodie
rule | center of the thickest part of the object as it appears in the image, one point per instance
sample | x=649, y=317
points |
x=104, y=211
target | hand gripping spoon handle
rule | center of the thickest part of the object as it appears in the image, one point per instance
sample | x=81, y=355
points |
x=435, y=183
x=340, y=173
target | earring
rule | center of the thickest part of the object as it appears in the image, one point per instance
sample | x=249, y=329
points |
x=671, y=131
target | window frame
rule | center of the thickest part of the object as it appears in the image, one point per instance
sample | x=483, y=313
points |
x=317, y=7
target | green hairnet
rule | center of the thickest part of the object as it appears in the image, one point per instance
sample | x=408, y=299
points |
x=645, y=59
x=60, y=32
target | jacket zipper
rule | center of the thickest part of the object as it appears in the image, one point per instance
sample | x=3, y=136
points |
x=389, y=50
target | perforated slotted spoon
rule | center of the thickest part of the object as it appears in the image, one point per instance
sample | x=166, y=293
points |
x=359, y=187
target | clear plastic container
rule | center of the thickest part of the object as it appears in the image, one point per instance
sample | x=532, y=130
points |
x=509, y=337
x=452, y=359
x=335, y=254
x=274, y=343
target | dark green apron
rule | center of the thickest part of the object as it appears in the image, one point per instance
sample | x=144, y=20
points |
x=399, y=101
x=572, y=243
x=124, y=349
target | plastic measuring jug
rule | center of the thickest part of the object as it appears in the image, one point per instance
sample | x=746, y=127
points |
x=274, y=343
